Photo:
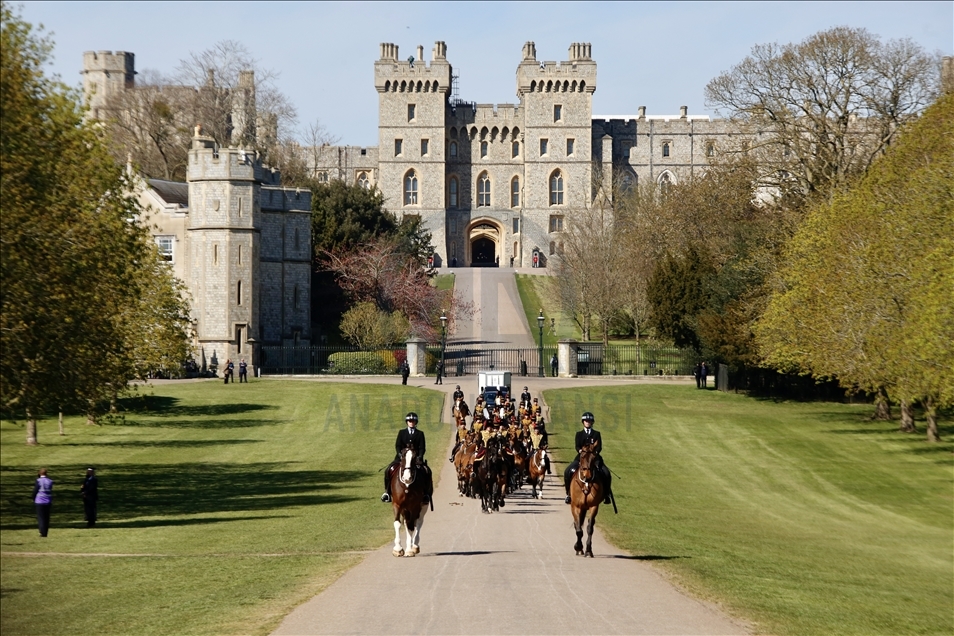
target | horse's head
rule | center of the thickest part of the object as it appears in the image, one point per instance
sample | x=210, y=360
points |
x=408, y=462
x=589, y=459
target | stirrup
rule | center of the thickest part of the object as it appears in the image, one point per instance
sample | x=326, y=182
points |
x=426, y=499
x=608, y=500
x=385, y=497
x=567, y=500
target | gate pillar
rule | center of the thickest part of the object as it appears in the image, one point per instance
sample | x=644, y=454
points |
x=566, y=354
x=417, y=356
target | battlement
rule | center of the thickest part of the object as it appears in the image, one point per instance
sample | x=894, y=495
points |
x=576, y=75
x=118, y=62
x=210, y=162
x=414, y=75
x=497, y=112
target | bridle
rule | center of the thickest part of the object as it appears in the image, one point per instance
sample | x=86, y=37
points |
x=408, y=473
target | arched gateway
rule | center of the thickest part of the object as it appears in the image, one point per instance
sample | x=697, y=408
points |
x=484, y=243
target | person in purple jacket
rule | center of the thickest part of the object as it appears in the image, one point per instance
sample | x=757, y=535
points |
x=43, y=498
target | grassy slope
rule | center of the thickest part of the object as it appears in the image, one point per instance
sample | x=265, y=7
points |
x=535, y=296
x=444, y=281
x=251, y=497
x=807, y=518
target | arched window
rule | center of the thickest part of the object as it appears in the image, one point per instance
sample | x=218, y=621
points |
x=665, y=149
x=452, y=189
x=556, y=188
x=515, y=149
x=364, y=181
x=410, y=188
x=666, y=182
x=483, y=190
x=453, y=149
x=515, y=192
x=552, y=248
x=483, y=149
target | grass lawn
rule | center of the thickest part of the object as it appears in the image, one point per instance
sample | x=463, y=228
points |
x=444, y=281
x=807, y=518
x=221, y=507
x=535, y=295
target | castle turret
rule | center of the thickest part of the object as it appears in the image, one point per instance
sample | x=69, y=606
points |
x=106, y=74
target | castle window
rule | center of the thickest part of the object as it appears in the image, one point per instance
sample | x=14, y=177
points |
x=552, y=248
x=398, y=147
x=544, y=146
x=364, y=181
x=453, y=149
x=238, y=338
x=515, y=149
x=483, y=149
x=296, y=301
x=556, y=223
x=425, y=146
x=322, y=177
x=452, y=189
x=215, y=254
x=297, y=243
x=516, y=229
x=627, y=146
x=239, y=254
x=665, y=149
x=411, y=112
x=515, y=193
x=165, y=245
x=483, y=190
x=557, y=112
x=238, y=293
x=710, y=149
x=570, y=143
x=556, y=189
x=410, y=188
x=665, y=183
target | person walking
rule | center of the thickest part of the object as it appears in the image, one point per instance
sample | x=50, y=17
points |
x=440, y=372
x=704, y=372
x=554, y=365
x=405, y=372
x=90, y=493
x=43, y=499
x=698, y=373
x=243, y=371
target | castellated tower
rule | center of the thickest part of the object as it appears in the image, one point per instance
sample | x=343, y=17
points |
x=413, y=96
x=105, y=74
x=249, y=254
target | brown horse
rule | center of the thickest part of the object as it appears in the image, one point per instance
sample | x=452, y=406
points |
x=586, y=495
x=408, y=487
x=537, y=470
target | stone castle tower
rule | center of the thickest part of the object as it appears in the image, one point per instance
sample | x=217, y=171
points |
x=105, y=74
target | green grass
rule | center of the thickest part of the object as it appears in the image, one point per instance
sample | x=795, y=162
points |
x=234, y=503
x=535, y=295
x=444, y=281
x=807, y=518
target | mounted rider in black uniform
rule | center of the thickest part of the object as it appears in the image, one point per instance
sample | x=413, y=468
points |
x=587, y=436
x=458, y=394
x=409, y=436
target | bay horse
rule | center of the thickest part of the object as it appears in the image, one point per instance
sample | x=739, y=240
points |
x=586, y=495
x=537, y=470
x=408, y=487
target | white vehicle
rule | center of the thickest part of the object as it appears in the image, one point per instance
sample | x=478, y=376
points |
x=492, y=381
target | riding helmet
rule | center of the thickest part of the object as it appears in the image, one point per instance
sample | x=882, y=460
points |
x=410, y=417
x=587, y=417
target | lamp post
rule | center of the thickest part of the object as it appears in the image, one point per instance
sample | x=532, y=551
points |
x=540, y=321
x=443, y=338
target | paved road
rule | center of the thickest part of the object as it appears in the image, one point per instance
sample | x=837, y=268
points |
x=500, y=321
x=512, y=572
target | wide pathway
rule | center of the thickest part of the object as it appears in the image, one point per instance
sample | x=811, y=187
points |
x=511, y=572
x=499, y=321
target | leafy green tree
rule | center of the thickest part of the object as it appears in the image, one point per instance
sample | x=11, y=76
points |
x=677, y=294
x=865, y=293
x=369, y=328
x=345, y=216
x=76, y=264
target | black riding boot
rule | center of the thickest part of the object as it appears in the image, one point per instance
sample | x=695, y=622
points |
x=567, y=478
x=386, y=497
x=607, y=483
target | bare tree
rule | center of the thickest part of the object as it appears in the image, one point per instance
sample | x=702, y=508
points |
x=818, y=112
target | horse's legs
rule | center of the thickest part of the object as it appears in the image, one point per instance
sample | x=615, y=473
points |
x=416, y=542
x=578, y=514
x=589, y=531
x=397, y=551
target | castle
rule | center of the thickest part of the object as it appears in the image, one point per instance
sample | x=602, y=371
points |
x=496, y=182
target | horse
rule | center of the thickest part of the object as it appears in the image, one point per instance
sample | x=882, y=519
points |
x=408, y=487
x=537, y=468
x=586, y=495
x=464, y=463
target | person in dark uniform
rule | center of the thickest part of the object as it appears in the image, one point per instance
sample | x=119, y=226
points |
x=409, y=436
x=90, y=493
x=243, y=371
x=405, y=372
x=458, y=394
x=525, y=398
x=587, y=436
x=440, y=372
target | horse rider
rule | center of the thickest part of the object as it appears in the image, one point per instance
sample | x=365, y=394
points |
x=540, y=440
x=409, y=436
x=589, y=435
x=458, y=394
x=536, y=409
x=525, y=398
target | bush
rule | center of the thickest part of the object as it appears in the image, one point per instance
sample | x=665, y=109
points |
x=356, y=363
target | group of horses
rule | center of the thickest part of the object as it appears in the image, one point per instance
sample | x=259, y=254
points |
x=493, y=460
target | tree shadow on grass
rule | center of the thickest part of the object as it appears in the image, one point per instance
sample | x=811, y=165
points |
x=641, y=557
x=917, y=443
x=200, y=423
x=170, y=406
x=143, y=523
x=169, y=443
x=131, y=491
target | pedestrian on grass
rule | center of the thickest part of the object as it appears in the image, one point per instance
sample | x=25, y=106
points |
x=43, y=499
x=243, y=371
x=697, y=372
x=704, y=372
x=90, y=493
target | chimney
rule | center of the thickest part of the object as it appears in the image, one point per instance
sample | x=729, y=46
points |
x=947, y=74
x=642, y=112
x=683, y=112
x=420, y=53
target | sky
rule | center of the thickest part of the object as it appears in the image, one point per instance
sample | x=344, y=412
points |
x=654, y=54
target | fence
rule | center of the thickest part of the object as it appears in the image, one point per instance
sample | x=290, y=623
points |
x=321, y=360
x=461, y=361
x=595, y=359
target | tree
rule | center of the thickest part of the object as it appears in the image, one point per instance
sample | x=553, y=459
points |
x=76, y=264
x=865, y=293
x=817, y=113
x=345, y=216
x=677, y=294
x=369, y=328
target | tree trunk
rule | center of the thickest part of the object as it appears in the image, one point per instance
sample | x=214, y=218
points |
x=91, y=415
x=931, y=412
x=907, y=417
x=62, y=432
x=31, y=428
x=882, y=406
